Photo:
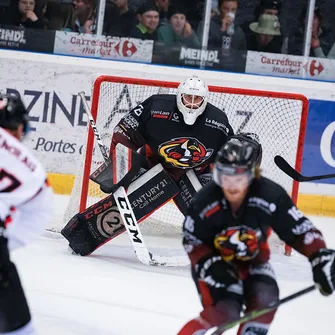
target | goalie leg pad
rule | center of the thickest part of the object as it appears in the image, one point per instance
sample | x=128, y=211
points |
x=188, y=185
x=95, y=226
x=14, y=310
x=101, y=222
x=150, y=191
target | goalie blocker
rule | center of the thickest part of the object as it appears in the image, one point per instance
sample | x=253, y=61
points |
x=101, y=222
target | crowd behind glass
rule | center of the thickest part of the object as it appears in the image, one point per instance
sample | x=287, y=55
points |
x=275, y=26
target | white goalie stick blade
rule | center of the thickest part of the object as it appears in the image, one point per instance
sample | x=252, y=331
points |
x=136, y=237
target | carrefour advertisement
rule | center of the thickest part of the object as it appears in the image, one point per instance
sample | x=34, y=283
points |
x=319, y=152
x=290, y=66
x=104, y=47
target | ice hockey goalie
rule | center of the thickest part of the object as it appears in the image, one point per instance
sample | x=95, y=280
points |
x=172, y=141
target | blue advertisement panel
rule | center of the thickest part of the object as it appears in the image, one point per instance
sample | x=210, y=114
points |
x=319, y=151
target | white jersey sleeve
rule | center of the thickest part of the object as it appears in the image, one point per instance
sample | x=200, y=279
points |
x=26, y=198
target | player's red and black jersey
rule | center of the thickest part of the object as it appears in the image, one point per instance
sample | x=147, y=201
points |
x=158, y=125
x=266, y=206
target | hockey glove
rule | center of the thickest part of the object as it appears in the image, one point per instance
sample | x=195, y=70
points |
x=323, y=267
x=216, y=272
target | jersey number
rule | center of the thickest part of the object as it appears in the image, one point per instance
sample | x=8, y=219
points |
x=8, y=183
x=295, y=213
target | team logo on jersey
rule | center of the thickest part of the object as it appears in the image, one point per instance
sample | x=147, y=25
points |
x=184, y=152
x=237, y=243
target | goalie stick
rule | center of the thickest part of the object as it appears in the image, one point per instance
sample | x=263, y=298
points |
x=294, y=174
x=93, y=126
x=258, y=312
x=127, y=214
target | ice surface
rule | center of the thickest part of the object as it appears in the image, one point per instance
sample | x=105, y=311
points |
x=110, y=292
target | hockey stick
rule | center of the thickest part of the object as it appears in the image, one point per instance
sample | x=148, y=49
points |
x=136, y=236
x=127, y=214
x=294, y=174
x=255, y=314
x=93, y=126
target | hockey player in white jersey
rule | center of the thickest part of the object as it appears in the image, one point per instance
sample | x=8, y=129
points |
x=25, y=208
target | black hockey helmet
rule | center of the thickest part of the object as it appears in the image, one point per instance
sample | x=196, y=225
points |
x=254, y=141
x=13, y=113
x=234, y=158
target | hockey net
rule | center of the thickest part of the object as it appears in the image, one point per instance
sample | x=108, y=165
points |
x=278, y=118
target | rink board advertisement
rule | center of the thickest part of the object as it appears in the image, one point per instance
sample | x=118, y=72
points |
x=290, y=66
x=27, y=39
x=104, y=47
x=319, y=151
x=212, y=59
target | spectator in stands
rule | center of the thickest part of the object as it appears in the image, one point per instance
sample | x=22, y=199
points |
x=82, y=17
x=271, y=7
x=195, y=10
x=148, y=18
x=178, y=31
x=112, y=23
x=163, y=8
x=321, y=42
x=58, y=15
x=124, y=23
x=223, y=33
x=264, y=33
x=23, y=13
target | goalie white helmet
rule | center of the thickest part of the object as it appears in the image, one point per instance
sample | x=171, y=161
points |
x=192, y=99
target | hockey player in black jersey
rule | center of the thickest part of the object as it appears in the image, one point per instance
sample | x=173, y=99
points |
x=226, y=237
x=182, y=132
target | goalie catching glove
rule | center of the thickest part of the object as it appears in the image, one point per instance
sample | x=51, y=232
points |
x=323, y=267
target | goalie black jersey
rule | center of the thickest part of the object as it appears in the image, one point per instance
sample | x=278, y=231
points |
x=210, y=223
x=158, y=126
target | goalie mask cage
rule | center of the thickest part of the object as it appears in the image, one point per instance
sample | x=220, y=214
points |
x=279, y=119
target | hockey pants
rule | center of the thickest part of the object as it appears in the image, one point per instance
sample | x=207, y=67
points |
x=259, y=289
